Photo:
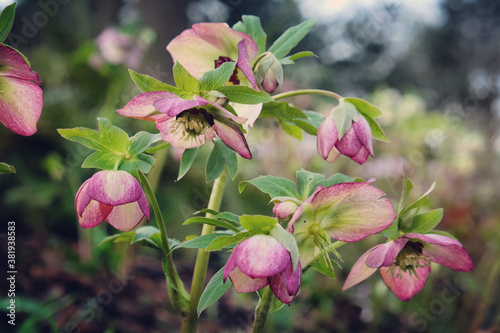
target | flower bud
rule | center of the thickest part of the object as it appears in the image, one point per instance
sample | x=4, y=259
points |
x=285, y=209
x=269, y=73
x=217, y=97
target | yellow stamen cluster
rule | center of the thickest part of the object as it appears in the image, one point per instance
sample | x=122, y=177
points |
x=408, y=259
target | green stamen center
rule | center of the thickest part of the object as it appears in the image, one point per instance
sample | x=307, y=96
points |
x=193, y=124
x=409, y=259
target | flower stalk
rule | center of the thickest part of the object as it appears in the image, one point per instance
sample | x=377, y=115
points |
x=262, y=310
x=299, y=92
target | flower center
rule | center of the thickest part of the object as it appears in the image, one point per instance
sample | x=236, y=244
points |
x=409, y=259
x=234, y=77
x=193, y=123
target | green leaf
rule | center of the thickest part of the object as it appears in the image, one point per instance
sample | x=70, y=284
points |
x=281, y=111
x=290, y=38
x=407, y=186
x=215, y=164
x=393, y=231
x=306, y=182
x=6, y=168
x=425, y=222
x=159, y=147
x=104, y=160
x=187, y=160
x=215, y=222
x=6, y=21
x=230, y=158
x=116, y=139
x=343, y=116
x=310, y=124
x=85, y=136
x=257, y=223
x=184, y=80
x=223, y=241
x=274, y=186
x=321, y=266
x=290, y=60
x=147, y=83
x=420, y=201
x=251, y=26
x=364, y=107
x=244, y=95
x=140, y=162
x=141, y=141
x=149, y=234
x=216, y=78
x=291, y=129
x=377, y=131
x=288, y=241
x=201, y=242
x=213, y=291
x=228, y=216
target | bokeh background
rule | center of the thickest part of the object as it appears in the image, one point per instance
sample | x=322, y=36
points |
x=432, y=66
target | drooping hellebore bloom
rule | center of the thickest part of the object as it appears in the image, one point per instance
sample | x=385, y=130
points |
x=188, y=123
x=21, y=99
x=112, y=196
x=405, y=263
x=347, y=212
x=356, y=142
x=262, y=260
x=206, y=46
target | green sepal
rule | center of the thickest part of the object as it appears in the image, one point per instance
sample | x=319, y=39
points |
x=370, y=112
x=343, y=115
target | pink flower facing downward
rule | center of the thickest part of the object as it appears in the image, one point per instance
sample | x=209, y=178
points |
x=347, y=212
x=259, y=261
x=188, y=123
x=356, y=143
x=405, y=262
x=20, y=99
x=114, y=196
x=207, y=46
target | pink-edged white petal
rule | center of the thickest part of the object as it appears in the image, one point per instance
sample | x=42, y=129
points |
x=385, y=254
x=114, y=187
x=287, y=284
x=174, y=105
x=232, y=136
x=261, y=256
x=403, y=284
x=360, y=271
x=243, y=283
x=433, y=239
x=94, y=214
x=141, y=106
x=21, y=104
x=125, y=217
x=327, y=137
x=350, y=212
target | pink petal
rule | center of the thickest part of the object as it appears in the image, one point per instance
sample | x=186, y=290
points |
x=360, y=271
x=114, y=187
x=82, y=199
x=94, y=214
x=143, y=205
x=364, y=133
x=406, y=286
x=361, y=157
x=174, y=105
x=125, y=217
x=327, y=137
x=286, y=285
x=230, y=266
x=141, y=106
x=244, y=63
x=349, y=144
x=385, y=254
x=351, y=212
x=232, y=135
x=285, y=209
x=242, y=283
x=434, y=239
x=261, y=256
x=21, y=104
x=13, y=65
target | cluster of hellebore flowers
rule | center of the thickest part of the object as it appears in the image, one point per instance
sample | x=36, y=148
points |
x=189, y=116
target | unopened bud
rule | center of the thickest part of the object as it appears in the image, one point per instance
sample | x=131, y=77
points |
x=269, y=73
x=217, y=97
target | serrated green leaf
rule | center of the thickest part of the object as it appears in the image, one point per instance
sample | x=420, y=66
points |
x=140, y=162
x=6, y=21
x=184, y=80
x=223, y=241
x=364, y=107
x=274, y=186
x=85, y=136
x=306, y=182
x=213, y=291
x=343, y=116
x=310, y=124
x=291, y=129
x=244, y=94
x=425, y=222
x=201, y=242
x=149, y=234
x=281, y=111
x=257, y=223
x=290, y=38
x=115, y=138
x=228, y=216
x=187, y=160
x=215, y=222
x=147, y=83
x=288, y=241
x=6, y=168
x=104, y=160
x=251, y=26
x=216, y=78
x=141, y=141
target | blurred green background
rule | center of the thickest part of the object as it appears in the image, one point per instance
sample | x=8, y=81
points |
x=432, y=66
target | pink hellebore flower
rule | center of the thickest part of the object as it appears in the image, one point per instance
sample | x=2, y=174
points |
x=356, y=143
x=347, y=212
x=207, y=46
x=20, y=99
x=259, y=261
x=188, y=123
x=405, y=262
x=114, y=196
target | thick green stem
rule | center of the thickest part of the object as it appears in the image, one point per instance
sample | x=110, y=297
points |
x=177, y=293
x=190, y=322
x=307, y=92
x=262, y=310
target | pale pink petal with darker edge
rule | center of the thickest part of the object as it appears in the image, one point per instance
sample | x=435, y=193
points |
x=406, y=286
